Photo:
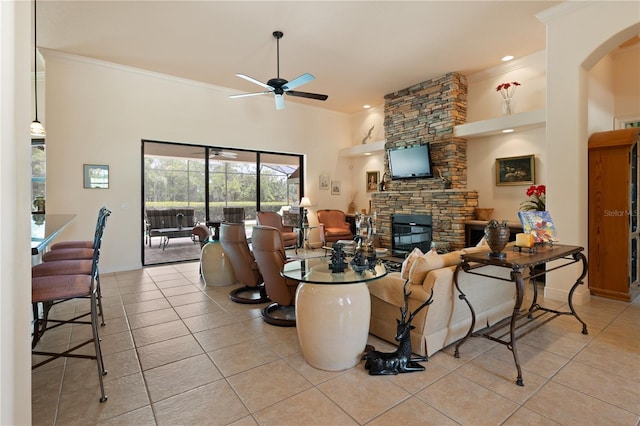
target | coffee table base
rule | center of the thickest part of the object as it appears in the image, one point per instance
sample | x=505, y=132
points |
x=333, y=324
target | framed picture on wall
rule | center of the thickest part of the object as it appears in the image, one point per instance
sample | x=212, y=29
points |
x=373, y=178
x=335, y=187
x=516, y=170
x=324, y=182
x=96, y=176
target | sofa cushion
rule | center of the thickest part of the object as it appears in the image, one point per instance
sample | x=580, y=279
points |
x=408, y=261
x=430, y=261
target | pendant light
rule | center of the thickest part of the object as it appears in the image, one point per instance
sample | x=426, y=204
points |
x=37, y=129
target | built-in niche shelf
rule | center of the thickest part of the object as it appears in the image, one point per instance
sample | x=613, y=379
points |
x=363, y=149
x=495, y=126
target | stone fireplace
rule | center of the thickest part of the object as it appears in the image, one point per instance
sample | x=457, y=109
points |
x=427, y=113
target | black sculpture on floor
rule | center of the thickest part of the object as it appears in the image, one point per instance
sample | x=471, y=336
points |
x=399, y=361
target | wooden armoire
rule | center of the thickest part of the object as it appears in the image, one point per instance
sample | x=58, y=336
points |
x=613, y=214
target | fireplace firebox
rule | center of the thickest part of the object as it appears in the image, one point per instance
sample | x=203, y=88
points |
x=410, y=231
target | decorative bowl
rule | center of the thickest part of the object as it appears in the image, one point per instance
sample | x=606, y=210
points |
x=483, y=214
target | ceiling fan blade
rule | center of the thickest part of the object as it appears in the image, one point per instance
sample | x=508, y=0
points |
x=298, y=81
x=315, y=96
x=253, y=80
x=279, y=102
x=243, y=95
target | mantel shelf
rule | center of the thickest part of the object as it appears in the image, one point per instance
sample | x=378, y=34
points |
x=495, y=126
x=363, y=149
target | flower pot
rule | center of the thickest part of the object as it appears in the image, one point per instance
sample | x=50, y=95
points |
x=497, y=236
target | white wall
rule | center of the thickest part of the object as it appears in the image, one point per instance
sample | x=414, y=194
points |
x=98, y=113
x=578, y=36
x=601, y=99
x=627, y=82
x=15, y=181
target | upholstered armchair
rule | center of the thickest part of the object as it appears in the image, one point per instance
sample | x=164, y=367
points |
x=333, y=226
x=268, y=250
x=234, y=243
x=273, y=219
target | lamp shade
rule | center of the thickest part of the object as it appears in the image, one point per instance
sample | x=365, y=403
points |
x=37, y=129
x=305, y=202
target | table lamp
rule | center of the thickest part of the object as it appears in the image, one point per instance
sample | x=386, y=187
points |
x=305, y=202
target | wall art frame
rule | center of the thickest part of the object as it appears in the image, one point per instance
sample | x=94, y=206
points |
x=372, y=180
x=336, y=187
x=325, y=182
x=95, y=176
x=519, y=170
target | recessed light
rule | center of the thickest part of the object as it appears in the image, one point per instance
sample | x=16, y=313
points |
x=507, y=58
x=507, y=131
x=366, y=106
x=367, y=153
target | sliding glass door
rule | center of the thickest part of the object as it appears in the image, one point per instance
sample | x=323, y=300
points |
x=198, y=182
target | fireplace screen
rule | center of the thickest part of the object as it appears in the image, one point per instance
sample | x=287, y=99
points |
x=410, y=231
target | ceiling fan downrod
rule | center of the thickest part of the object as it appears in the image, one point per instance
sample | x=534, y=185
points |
x=278, y=35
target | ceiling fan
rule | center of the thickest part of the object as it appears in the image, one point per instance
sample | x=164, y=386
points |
x=279, y=86
x=215, y=152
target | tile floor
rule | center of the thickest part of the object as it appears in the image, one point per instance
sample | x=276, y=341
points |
x=180, y=353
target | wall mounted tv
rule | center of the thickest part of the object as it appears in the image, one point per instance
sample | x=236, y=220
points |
x=410, y=162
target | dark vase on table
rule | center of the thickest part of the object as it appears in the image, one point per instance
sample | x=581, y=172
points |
x=497, y=235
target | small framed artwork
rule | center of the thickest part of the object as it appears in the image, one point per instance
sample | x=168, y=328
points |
x=516, y=170
x=335, y=187
x=96, y=176
x=373, y=178
x=324, y=182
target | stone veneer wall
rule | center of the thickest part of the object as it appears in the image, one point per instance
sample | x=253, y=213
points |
x=427, y=113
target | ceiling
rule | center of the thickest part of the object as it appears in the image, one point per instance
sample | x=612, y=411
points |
x=358, y=51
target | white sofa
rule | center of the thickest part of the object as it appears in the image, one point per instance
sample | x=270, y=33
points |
x=447, y=319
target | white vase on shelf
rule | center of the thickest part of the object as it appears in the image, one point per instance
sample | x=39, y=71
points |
x=507, y=106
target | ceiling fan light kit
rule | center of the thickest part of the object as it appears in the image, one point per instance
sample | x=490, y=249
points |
x=279, y=86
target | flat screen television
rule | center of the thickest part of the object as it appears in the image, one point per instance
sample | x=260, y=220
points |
x=410, y=162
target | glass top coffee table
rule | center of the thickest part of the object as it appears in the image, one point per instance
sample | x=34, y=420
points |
x=332, y=312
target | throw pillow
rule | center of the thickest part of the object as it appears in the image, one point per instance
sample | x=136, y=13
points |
x=406, y=265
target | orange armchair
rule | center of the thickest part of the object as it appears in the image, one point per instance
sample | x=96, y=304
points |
x=273, y=219
x=333, y=226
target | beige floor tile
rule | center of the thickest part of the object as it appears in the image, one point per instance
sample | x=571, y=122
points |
x=532, y=359
x=312, y=374
x=174, y=282
x=199, y=308
x=209, y=321
x=467, y=402
x=80, y=407
x=525, y=417
x=609, y=357
x=212, y=404
x=306, y=408
x=412, y=412
x=159, y=332
x=134, y=288
x=128, y=299
x=150, y=318
x=224, y=336
x=183, y=289
x=374, y=395
x=268, y=384
x=147, y=306
x=140, y=417
x=117, y=365
x=500, y=377
x=157, y=354
x=188, y=298
x=576, y=407
x=617, y=390
x=245, y=421
x=45, y=391
x=180, y=376
x=242, y=357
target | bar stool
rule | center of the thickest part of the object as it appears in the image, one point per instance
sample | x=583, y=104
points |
x=64, y=251
x=82, y=244
x=51, y=289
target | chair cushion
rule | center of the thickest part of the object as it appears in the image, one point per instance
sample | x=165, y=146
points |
x=59, y=287
x=62, y=267
x=68, y=254
x=408, y=261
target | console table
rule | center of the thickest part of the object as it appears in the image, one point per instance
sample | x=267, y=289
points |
x=332, y=312
x=523, y=267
